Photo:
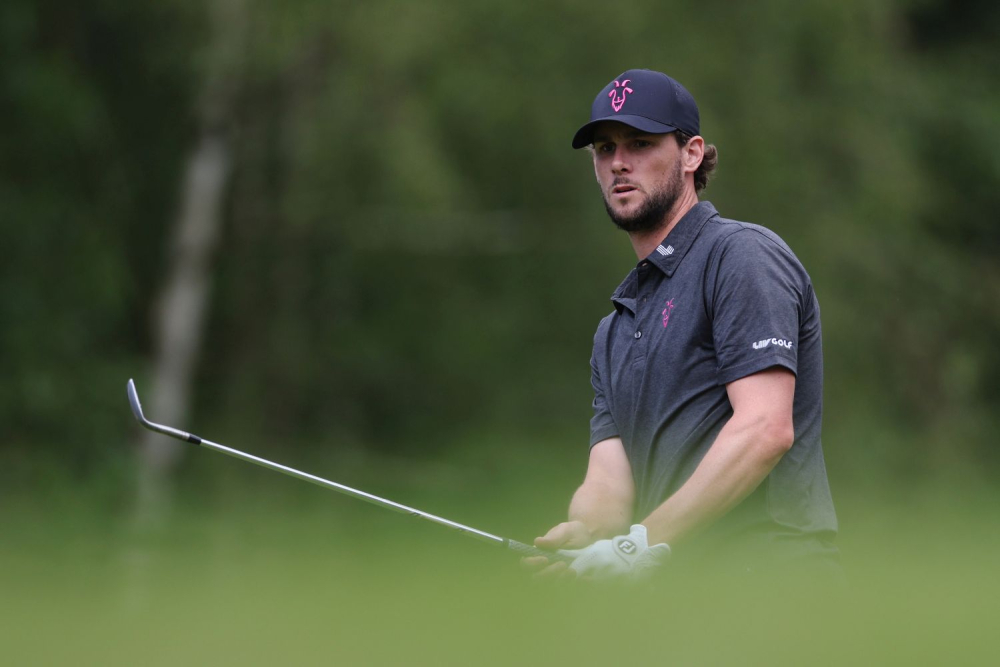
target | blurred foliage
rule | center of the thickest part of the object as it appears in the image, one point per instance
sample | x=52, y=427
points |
x=412, y=252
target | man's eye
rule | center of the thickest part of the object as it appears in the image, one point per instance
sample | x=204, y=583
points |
x=641, y=143
x=606, y=148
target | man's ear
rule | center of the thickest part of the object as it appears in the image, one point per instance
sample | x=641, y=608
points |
x=692, y=153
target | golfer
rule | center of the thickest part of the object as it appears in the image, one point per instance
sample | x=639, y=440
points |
x=707, y=375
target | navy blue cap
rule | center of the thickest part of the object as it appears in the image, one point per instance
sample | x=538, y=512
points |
x=646, y=100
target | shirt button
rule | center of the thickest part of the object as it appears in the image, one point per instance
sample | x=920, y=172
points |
x=638, y=334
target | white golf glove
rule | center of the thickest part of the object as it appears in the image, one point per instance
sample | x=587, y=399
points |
x=627, y=556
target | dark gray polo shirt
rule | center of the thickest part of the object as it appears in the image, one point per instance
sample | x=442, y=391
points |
x=717, y=300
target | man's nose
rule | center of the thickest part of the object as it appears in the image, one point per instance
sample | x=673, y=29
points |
x=619, y=165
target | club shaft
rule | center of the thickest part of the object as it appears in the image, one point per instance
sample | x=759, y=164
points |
x=347, y=490
x=513, y=545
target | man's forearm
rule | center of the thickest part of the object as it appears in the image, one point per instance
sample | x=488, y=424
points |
x=741, y=457
x=606, y=511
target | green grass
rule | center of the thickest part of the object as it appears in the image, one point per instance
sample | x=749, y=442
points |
x=273, y=571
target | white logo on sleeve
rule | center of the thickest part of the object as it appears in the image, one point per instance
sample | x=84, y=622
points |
x=780, y=342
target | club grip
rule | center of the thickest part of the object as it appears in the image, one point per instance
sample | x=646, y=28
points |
x=528, y=550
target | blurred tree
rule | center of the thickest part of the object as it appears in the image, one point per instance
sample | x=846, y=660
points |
x=94, y=98
x=181, y=308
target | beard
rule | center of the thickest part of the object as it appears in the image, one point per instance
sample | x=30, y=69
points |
x=654, y=211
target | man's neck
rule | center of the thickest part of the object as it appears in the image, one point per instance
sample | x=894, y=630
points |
x=645, y=242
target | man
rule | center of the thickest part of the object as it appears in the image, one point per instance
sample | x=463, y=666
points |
x=707, y=375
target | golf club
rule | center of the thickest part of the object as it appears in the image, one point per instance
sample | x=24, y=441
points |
x=513, y=545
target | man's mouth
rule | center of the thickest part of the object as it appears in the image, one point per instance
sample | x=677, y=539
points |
x=623, y=189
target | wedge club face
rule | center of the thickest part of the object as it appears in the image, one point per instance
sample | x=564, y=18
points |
x=513, y=545
x=133, y=401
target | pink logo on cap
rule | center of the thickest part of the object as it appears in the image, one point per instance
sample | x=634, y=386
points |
x=618, y=102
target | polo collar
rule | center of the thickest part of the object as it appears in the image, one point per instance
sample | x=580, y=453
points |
x=624, y=296
x=668, y=255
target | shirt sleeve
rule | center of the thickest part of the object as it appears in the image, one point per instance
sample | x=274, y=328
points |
x=602, y=424
x=756, y=305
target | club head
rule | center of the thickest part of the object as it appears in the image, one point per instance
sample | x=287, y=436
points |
x=133, y=401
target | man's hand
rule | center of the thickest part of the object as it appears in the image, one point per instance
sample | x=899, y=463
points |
x=569, y=535
x=628, y=556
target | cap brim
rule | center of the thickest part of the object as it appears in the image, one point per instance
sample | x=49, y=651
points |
x=585, y=135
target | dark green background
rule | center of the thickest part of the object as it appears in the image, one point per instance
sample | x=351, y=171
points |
x=413, y=261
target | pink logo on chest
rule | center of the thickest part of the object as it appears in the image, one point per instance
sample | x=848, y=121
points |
x=616, y=101
x=666, y=312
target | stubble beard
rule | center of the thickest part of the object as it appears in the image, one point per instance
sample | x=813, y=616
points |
x=655, y=211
